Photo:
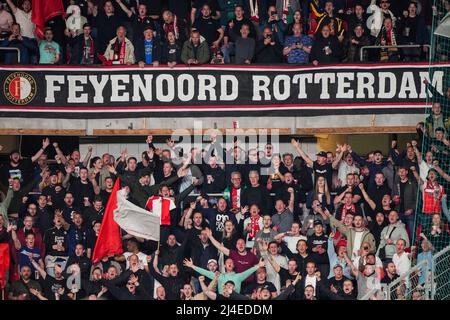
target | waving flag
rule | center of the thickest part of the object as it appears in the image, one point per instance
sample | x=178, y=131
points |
x=135, y=220
x=44, y=10
x=4, y=263
x=109, y=241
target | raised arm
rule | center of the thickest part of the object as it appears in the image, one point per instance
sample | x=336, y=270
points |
x=247, y=273
x=337, y=200
x=59, y=153
x=124, y=8
x=271, y=260
x=356, y=157
x=155, y=271
x=39, y=153
x=188, y=263
x=291, y=199
x=216, y=243
x=441, y=172
x=5, y=204
x=12, y=6
x=87, y=157
x=334, y=222
x=16, y=241
x=330, y=249
x=188, y=215
x=301, y=153
x=67, y=177
x=36, y=265
x=367, y=197
x=207, y=290
x=95, y=185
x=355, y=270
x=339, y=153
x=418, y=154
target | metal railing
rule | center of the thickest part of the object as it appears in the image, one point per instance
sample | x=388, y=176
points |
x=379, y=293
x=440, y=275
x=12, y=49
x=404, y=287
x=361, y=51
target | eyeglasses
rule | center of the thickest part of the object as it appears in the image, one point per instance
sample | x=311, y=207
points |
x=366, y=248
x=130, y=283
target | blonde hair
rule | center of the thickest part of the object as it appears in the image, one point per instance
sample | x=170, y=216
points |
x=325, y=189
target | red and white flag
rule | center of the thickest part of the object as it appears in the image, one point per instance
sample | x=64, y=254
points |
x=135, y=220
x=161, y=206
x=109, y=242
x=121, y=213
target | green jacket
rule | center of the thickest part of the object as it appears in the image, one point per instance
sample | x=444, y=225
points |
x=5, y=205
x=438, y=97
x=188, y=52
x=394, y=234
x=237, y=278
x=350, y=234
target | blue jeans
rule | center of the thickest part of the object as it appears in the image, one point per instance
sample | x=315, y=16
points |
x=227, y=52
x=409, y=222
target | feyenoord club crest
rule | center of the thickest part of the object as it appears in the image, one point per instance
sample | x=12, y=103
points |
x=20, y=88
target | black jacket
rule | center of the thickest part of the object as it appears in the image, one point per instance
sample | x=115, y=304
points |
x=267, y=53
x=318, y=52
x=172, y=285
x=257, y=195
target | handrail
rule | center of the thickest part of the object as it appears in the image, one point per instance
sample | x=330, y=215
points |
x=423, y=265
x=361, y=50
x=433, y=269
x=12, y=49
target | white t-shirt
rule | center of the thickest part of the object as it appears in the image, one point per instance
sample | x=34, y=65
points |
x=402, y=263
x=424, y=167
x=291, y=242
x=345, y=169
x=142, y=259
x=272, y=275
x=357, y=244
x=27, y=28
x=311, y=280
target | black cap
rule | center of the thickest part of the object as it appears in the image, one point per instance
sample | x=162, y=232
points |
x=322, y=154
x=317, y=222
x=14, y=151
x=148, y=27
x=54, y=172
x=439, y=129
x=204, y=195
x=144, y=172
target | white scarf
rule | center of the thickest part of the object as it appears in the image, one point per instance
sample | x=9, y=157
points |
x=254, y=11
x=286, y=6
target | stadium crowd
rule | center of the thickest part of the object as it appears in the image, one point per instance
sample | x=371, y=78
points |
x=282, y=227
x=143, y=32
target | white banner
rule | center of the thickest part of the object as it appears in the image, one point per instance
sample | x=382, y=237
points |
x=135, y=220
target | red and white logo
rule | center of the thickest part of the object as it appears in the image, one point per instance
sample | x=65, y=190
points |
x=20, y=88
